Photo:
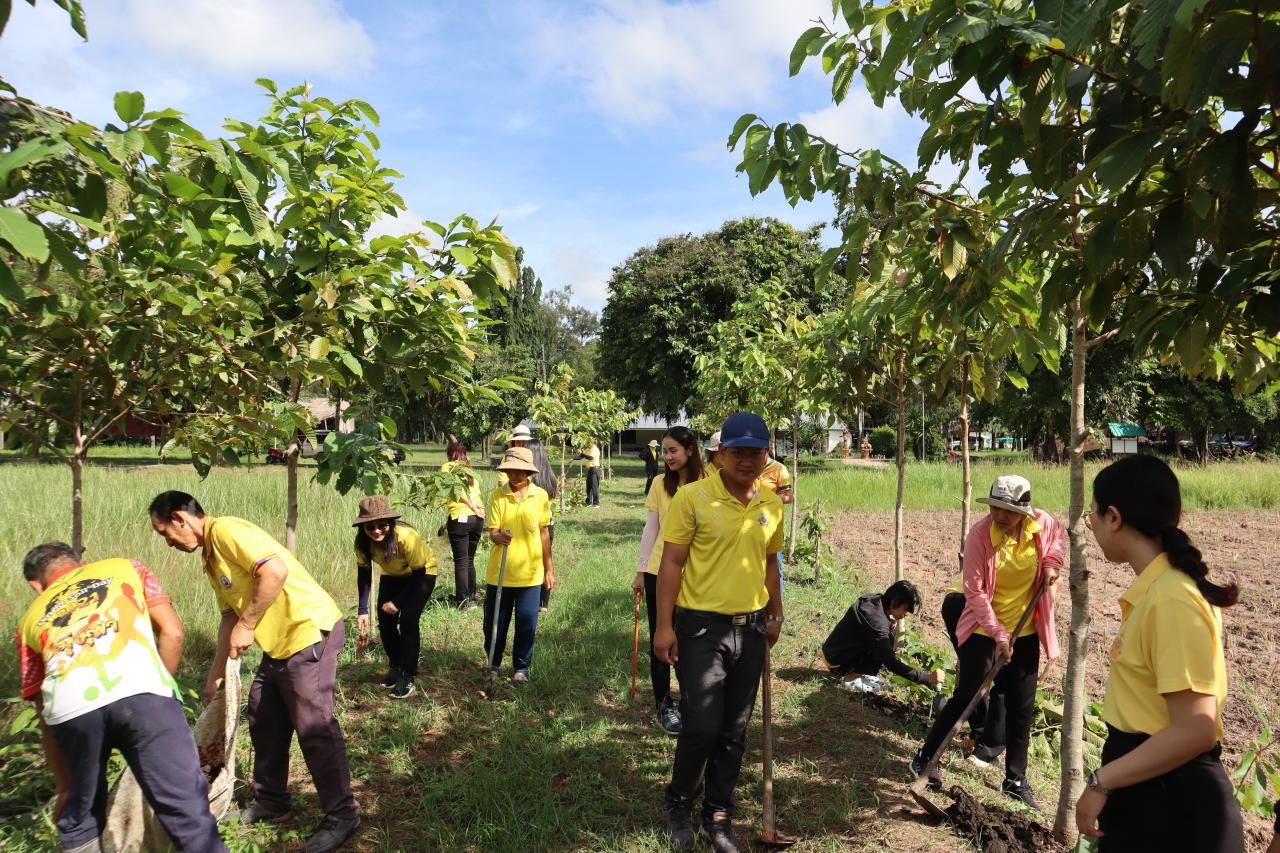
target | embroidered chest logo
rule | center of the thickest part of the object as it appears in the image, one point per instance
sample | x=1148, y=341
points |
x=763, y=520
x=225, y=581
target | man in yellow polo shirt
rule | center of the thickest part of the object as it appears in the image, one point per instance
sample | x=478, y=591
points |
x=267, y=597
x=718, y=604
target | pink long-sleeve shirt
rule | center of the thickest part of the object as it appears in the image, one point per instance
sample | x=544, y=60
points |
x=980, y=583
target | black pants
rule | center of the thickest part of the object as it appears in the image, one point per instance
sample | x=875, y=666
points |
x=1016, y=680
x=719, y=669
x=401, y=633
x=151, y=733
x=1188, y=810
x=988, y=731
x=648, y=481
x=659, y=670
x=593, y=487
x=464, y=539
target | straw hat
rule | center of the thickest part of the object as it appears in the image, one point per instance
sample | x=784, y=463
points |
x=653, y=442
x=1011, y=492
x=520, y=433
x=518, y=459
x=375, y=508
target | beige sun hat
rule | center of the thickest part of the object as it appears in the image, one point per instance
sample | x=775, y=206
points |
x=713, y=443
x=518, y=459
x=653, y=442
x=521, y=433
x=375, y=508
x=1011, y=492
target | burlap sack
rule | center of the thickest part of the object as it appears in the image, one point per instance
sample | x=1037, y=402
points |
x=132, y=826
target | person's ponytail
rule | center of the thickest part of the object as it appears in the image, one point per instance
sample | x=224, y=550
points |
x=1187, y=559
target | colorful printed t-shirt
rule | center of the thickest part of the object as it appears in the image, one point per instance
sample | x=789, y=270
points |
x=233, y=551
x=458, y=509
x=524, y=517
x=86, y=641
x=1016, y=569
x=728, y=543
x=411, y=552
x=1170, y=640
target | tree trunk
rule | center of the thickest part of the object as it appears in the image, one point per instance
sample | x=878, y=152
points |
x=1075, y=702
x=77, y=495
x=291, y=455
x=966, y=493
x=817, y=556
x=898, y=573
x=562, y=473
x=795, y=493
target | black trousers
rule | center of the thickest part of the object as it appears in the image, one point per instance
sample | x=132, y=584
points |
x=593, y=487
x=1017, y=681
x=659, y=670
x=988, y=721
x=401, y=633
x=719, y=669
x=1188, y=810
x=464, y=539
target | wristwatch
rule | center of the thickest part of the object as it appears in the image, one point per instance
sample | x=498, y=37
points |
x=772, y=618
x=1091, y=782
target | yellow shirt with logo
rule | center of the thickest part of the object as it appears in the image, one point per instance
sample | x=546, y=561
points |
x=524, y=517
x=410, y=552
x=92, y=632
x=728, y=544
x=1016, y=569
x=233, y=551
x=593, y=456
x=660, y=502
x=1170, y=640
x=775, y=476
x=458, y=509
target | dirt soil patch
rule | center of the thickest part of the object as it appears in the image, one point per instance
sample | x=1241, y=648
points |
x=997, y=830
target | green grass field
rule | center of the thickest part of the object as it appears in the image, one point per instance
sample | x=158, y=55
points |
x=570, y=763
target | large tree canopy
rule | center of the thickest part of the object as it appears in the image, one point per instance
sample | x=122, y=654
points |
x=665, y=299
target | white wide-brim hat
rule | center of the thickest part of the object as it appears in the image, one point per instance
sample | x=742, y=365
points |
x=1011, y=492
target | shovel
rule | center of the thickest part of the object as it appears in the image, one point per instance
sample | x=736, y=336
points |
x=770, y=837
x=497, y=616
x=918, y=786
x=635, y=648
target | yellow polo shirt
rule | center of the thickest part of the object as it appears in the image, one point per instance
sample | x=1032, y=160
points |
x=457, y=509
x=660, y=502
x=525, y=518
x=411, y=552
x=728, y=543
x=593, y=456
x=775, y=476
x=233, y=551
x=1016, y=567
x=1170, y=640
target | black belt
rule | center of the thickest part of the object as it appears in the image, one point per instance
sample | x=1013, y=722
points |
x=729, y=618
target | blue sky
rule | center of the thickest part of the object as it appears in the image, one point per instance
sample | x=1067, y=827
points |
x=589, y=129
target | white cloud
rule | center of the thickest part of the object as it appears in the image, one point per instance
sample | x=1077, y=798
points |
x=405, y=222
x=856, y=123
x=255, y=36
x=641, y=61
x=518, y=211
x=585, y=272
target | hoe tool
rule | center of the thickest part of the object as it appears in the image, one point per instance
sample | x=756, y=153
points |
x=635, y=648
x=770, y=837
x=490, y=674
x=918, y=786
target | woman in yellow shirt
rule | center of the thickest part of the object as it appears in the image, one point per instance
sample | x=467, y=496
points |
x=683, y=465
x=1161, y=785
x=465, y=524
x=408, y=568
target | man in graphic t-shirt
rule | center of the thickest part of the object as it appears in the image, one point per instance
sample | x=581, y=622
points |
x=96, y=652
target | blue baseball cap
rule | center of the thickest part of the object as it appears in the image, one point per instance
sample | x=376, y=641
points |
x=743, y=429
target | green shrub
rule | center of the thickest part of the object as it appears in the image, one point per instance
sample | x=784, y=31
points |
x=884, y=441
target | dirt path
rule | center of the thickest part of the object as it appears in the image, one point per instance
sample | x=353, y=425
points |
x=1245, y=546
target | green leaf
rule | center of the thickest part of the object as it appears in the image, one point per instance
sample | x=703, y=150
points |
x=10, y=290
x=319, y=348
x=954, y=257
x=25, y=236
x=266, y=83
x=353, y=364
x=130, y=106
x=1121, y=161
x=29, y=152
x=180, y=186
x=6, y=7
x=740, y=127
x=810, y=38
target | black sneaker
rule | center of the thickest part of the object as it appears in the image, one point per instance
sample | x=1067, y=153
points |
x=679, y=827
x=670, y=720
x=917, y=767
x=255, y=812
x=1019, y=790
x=331, y=833
x=719, y=829
x=391, y=678
x=403, y=688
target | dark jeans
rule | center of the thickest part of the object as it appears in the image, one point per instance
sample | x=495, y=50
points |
x=402, y=632
x=593, y=487
x=464, y=539
x=152, y=734
x=291, y=695
x=719, y=670
x=523, y=602
x=659, y=670
x=1190, y=809
x=1017, y=681
x=988, y=721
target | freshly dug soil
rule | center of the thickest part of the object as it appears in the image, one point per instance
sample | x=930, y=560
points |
x=995, y=830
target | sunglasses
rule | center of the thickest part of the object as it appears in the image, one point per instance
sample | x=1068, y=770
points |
x=377, y=525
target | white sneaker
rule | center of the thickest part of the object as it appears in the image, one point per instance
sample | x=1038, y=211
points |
x=978, y=762
x=863, y=684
